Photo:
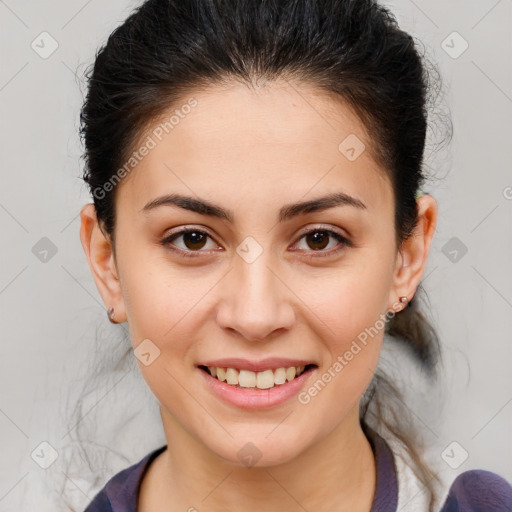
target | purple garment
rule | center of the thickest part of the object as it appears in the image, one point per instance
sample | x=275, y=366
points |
x=471, y=491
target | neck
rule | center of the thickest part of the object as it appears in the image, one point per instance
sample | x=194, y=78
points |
x=336, y=473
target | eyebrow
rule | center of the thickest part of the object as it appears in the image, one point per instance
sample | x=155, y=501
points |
x=287, y=212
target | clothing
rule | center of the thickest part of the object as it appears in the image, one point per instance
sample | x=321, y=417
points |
x=471, y=491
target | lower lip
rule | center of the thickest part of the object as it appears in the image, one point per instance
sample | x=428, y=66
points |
x=254, y=398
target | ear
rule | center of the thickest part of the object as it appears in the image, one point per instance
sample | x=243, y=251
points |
x=100, y=255
x=412, y=257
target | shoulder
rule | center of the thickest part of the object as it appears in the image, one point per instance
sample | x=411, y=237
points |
x=121, y=491
x=478, y=490
x=100, y=503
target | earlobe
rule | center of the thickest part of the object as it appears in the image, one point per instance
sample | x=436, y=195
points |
x=100, y=257
x=413, y=255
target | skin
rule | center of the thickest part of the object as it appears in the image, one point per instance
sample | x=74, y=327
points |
x=252, y=152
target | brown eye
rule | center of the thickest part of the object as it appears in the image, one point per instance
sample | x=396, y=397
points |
x=316, y=240
x=193, y=241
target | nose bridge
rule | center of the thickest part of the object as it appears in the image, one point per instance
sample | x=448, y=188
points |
x=257, y=303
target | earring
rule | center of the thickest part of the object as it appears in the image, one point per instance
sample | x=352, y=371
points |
x=403, y=300
x=110, y=314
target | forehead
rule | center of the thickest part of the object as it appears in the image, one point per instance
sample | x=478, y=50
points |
x=238, y=144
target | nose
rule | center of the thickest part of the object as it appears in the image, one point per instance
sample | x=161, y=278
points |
x=256, y=302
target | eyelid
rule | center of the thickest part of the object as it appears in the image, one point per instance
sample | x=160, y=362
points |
x=188, y=228
x=323, y=227
x=167, y=240
x=344, y=241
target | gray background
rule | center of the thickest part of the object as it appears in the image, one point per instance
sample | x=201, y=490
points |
x=53, y=321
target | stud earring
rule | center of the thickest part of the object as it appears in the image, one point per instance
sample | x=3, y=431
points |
x=403, y=300
x=110, y=314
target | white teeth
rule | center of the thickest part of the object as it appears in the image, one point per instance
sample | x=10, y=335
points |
x=262, y=380
x=246, y=379
x=265, y=379
x=232, y=376
x=280, y=376
x=290, y=373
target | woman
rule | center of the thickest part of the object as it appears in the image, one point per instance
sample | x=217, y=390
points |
x=258, y=222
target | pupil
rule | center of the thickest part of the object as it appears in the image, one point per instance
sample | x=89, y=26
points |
x=319, y=237
x=195, y=238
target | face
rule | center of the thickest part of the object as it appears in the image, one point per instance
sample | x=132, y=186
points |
x=253, y=279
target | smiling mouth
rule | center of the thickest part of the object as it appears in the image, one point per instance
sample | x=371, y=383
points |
x=257, y=380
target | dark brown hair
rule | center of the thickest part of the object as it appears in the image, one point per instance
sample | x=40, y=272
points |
x=350, y=49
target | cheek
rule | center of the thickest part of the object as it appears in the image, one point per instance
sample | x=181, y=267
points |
x=161, y=298
x=166, y=308
x=350, y=317
x=352, y=346
x=349, y=302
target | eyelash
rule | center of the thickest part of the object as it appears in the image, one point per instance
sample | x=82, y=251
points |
x=344, y=242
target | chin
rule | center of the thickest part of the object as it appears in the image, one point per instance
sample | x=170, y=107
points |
x=260, y=451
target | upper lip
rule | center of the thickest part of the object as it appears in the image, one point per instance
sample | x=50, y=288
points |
x=270, y=363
